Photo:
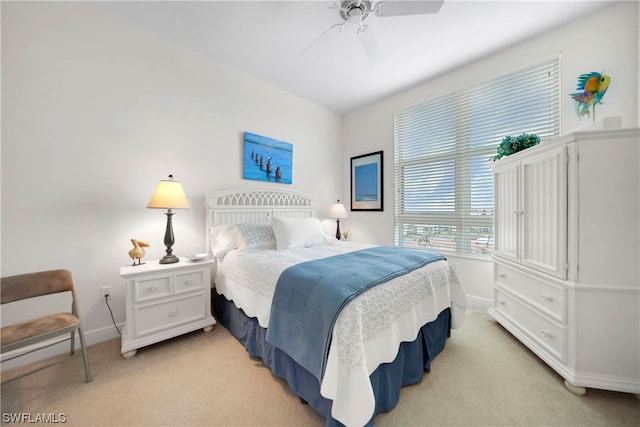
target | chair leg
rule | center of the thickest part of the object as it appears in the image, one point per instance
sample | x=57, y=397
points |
x=85, y=359
x=73, y=343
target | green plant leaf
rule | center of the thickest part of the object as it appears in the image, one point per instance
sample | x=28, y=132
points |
x=513, y=144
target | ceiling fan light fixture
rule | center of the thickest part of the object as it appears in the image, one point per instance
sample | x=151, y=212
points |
x=351, y=8
x=362, y=9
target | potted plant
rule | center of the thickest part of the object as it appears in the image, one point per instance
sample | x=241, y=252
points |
x=513, y=144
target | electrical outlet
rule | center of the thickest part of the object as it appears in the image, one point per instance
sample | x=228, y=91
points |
x=105, y=291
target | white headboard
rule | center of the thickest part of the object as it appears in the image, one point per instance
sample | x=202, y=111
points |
x=237, y=205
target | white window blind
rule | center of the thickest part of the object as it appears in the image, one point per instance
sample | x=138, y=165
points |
x=443, y=182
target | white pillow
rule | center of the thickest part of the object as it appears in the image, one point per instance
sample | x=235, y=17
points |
x=245, y=236
x=223, y=239
x=297, y=232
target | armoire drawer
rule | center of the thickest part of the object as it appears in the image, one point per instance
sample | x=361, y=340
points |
x=547, y=297
x=548, y=334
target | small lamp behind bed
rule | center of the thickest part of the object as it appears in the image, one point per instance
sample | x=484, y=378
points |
x=338, y=212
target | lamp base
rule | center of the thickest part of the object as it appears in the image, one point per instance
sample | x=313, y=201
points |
x=169, y=259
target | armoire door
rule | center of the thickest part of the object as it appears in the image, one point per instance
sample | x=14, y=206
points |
x=544, y=212
x=506, y=182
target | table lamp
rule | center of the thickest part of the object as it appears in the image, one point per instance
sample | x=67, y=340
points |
x=169, y=195
x=338, y=212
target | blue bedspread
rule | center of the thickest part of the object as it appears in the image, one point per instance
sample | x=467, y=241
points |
x=309, y=297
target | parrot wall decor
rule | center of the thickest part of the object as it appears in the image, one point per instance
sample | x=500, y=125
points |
x=593, y=86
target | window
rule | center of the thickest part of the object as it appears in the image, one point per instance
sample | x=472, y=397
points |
x=443, y=181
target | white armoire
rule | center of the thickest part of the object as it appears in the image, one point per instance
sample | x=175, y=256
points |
x=567, y=257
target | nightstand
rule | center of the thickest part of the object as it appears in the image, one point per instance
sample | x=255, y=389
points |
x=164, y=301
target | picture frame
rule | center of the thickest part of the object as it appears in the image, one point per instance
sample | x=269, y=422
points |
x=366, y=182
x=267, y=159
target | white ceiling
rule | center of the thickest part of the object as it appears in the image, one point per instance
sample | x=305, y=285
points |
x=266, y=39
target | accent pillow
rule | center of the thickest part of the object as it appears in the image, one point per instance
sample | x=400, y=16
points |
x=297, y=232
x=255, y=236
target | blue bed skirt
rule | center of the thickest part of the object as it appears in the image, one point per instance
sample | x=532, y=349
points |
x=407, y=368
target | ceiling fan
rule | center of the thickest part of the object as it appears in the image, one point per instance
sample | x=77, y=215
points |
x=359, y=10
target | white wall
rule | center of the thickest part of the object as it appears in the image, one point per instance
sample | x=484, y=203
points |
x=606, y=40
x=95, y=112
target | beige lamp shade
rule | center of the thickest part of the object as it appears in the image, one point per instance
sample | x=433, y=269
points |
x=169, y=195
x=338, y=211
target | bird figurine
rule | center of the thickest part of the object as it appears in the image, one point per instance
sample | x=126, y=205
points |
x=137, y=252
x=593, y=86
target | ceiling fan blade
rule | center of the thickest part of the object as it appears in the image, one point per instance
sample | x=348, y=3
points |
x=330, y=29
x=406, y=7
x=370, y=45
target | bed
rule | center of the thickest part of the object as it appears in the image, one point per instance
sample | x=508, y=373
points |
x=381, y=337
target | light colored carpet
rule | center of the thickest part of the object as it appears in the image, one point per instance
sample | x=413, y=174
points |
x=484, y=377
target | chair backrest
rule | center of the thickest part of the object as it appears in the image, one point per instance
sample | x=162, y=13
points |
x=23, y=286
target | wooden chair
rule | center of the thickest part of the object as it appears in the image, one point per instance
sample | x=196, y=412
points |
x=31, y=332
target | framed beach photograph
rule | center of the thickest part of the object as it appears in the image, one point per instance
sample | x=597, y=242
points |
x=267, y=159
x=366, y=182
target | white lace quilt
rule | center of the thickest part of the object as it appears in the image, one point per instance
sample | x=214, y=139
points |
x=369, y=329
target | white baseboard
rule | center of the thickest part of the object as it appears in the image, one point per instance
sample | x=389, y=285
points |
x=478, y=303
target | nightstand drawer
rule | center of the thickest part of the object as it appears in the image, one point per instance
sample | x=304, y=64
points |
x=546, y=296
x=151, y=287
x=190, y=281
x=545, y=332
x=153, y=318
